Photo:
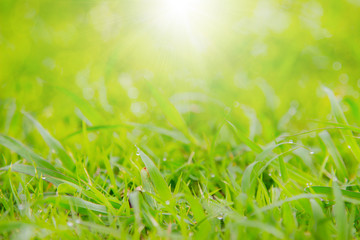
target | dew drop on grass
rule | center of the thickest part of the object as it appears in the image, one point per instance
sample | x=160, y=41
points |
x=212, y=175
x=311, y=153
x=291, y=141
x=164, y=159
x=70, y=224
x=21, y=207
x=77, y=221
x=221, y=216
x=167, y=202
x=43, y=178
x=270, y=174
x=138, y=153
x=349, y=146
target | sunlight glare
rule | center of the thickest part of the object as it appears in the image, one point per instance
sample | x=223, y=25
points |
x=179, y=11
x=182, y=15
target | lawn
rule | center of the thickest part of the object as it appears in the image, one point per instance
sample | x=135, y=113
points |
x=169, y=119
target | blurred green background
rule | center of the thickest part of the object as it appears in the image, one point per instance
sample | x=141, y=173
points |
x=260, y=64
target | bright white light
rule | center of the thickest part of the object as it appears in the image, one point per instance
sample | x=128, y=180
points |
x=178, y=11
x=183, y=24
x=179, y=14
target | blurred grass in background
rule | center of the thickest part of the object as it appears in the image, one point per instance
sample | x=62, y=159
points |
x=264, y=59
x=103, y=76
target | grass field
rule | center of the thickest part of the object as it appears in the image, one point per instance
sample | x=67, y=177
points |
x=168, y=119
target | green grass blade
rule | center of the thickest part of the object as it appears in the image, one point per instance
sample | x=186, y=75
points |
x=148, y=187
x=172, y=114
x=291, y=199
x=53, y=144
x=340, y=213
x=82, y=205
x=283, y=169
x=261, y=226
x=96, y=128
x=252, y=145
x=199, y=214
x=155, y=175
x=340, y=118
x=49, y=175
x=346, y=194
x=110, y=172
x=246, y=181
x=338, y=161
x=25, y=152
x=110, y=231
x=179, y=136
x=321, y=226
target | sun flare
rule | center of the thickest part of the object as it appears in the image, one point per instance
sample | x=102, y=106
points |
x=184, y=20
x=180, y=13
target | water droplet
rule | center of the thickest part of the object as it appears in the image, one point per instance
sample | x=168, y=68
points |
x=70, y=224
x=220, y=217
x=167, y=202
x=21, y=207
x=212, y=175
x=43, y=178
x=280, y=174
x=311, y=153
x=138, y=153
x=77, y=221
x=291, y=141
x=164, y=159
x=270, y=174
x=349, y=146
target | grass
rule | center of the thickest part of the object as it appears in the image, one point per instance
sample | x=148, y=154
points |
x=241, y=124
x=279, y=190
